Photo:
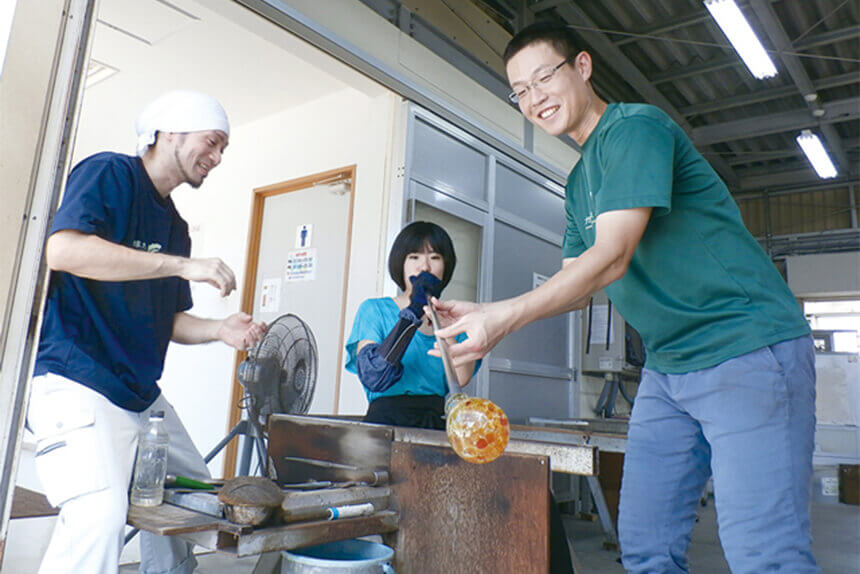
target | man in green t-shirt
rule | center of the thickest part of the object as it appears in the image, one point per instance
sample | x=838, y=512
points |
x=728, y=388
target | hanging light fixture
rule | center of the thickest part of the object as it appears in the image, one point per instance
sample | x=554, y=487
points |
x=811, y=146
x=736, y=28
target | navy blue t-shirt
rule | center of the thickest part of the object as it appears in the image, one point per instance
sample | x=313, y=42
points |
x=112, y=336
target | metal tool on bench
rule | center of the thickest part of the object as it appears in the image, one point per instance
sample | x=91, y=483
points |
x=350, y=474
x=334, y=503
x=477, y=428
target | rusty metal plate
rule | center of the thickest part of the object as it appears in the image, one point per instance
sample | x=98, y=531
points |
x=461, y=517
x=346, y=445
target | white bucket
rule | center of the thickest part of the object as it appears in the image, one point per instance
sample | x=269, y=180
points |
x=344, y=556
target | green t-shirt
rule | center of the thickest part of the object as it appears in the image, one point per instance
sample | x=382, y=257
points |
x=700, y=290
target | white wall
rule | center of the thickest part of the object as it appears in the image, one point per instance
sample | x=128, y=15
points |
x=361, y=26
x=824, y=275
x=343, y=128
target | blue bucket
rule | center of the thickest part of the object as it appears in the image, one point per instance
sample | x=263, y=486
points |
x=346, y=556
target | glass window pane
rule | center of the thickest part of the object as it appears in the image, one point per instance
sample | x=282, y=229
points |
x=525, y=198
x=517, y=257
x=447, y=163
x=467, y=245
x=523, y=396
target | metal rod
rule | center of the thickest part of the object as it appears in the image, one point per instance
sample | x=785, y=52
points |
x=450, y=373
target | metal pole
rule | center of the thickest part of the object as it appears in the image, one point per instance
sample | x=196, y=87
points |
x=44, y=185
x=852, y=201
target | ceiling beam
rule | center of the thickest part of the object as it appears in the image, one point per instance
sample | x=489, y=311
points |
x=744, y=158
x=694, y=70
x=677, y=23
x=545, y=5
x=848, y=33
x=802, y=187
x=525, y=16
x=607, y=50
x=838, y=111
x=805, y=178
x=765, y=95
x=775, y=31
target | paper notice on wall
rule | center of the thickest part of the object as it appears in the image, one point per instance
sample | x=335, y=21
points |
x=301, y=265
x=270, y=295
x=599, y=320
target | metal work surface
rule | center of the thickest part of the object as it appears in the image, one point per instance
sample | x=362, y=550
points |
x=609, y=426
x=564, y=456
x=607, y=435
x=462, y=517
x=303, y=448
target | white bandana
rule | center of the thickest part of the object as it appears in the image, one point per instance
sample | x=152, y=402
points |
x=179, y=112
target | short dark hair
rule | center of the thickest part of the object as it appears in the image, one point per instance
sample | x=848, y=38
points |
x=557, y=35
x=416, y=238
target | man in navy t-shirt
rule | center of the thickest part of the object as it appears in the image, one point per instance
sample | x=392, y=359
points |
x=119, y=292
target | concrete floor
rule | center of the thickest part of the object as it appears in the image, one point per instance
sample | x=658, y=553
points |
x=835, y=543
x=835, y=531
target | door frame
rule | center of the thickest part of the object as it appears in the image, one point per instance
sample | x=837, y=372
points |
x=42, y=183
x=344, y=175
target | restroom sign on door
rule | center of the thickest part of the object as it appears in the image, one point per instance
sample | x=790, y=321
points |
x=303, y=235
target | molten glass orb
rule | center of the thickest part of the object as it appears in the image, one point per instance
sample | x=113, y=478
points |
x=477, y=429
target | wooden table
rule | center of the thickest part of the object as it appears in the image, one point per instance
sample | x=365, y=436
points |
x=445, y=515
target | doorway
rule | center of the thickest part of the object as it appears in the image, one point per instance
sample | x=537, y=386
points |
x=298, y=262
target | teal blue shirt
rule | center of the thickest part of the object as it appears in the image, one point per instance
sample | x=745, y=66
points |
x=422, y=374
x=699, y=289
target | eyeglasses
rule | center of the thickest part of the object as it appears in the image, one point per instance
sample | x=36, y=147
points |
x=542, y=78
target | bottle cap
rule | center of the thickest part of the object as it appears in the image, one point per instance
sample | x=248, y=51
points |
x=156, y=415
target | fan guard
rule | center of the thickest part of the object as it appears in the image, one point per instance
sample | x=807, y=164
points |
x=280, y=373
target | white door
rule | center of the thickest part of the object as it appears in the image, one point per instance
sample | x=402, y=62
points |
x=304, y=245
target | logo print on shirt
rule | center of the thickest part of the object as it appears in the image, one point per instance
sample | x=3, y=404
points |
x=144, y=246
x=589, y=221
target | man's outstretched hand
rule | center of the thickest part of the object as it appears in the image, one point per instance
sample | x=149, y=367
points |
x=484, y=324
x=240, y=331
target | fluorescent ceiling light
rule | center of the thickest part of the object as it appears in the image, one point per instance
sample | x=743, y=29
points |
x=738, y=31
x=817, y=155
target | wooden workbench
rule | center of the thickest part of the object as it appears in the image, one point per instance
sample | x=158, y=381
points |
x=445, y=515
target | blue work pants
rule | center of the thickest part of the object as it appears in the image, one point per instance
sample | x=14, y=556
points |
x=749, y=422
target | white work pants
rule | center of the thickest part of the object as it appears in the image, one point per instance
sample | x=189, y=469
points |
x=85, y=458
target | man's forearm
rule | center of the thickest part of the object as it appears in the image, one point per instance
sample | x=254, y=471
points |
x=92, y=257
x=191, y=330
x=569, y=289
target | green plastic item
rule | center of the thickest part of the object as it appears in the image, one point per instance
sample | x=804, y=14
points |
x=185, y=482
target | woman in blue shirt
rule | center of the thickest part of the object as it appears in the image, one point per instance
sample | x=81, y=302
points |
x=390, y=337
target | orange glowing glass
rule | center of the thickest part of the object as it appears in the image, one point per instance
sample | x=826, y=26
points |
x=477, y=428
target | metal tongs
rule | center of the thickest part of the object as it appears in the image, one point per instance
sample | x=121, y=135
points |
x=450, y=373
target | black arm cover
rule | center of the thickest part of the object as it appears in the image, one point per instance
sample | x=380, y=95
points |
x=379, y=366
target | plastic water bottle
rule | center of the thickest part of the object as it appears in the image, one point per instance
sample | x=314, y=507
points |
x=151, y=466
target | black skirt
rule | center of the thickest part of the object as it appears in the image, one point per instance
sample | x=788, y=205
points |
x=422, y=411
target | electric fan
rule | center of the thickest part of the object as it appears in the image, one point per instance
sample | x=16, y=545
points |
x=279, y=376
x=280, y=373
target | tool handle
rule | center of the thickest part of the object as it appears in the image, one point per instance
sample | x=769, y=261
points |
x=185, y=482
